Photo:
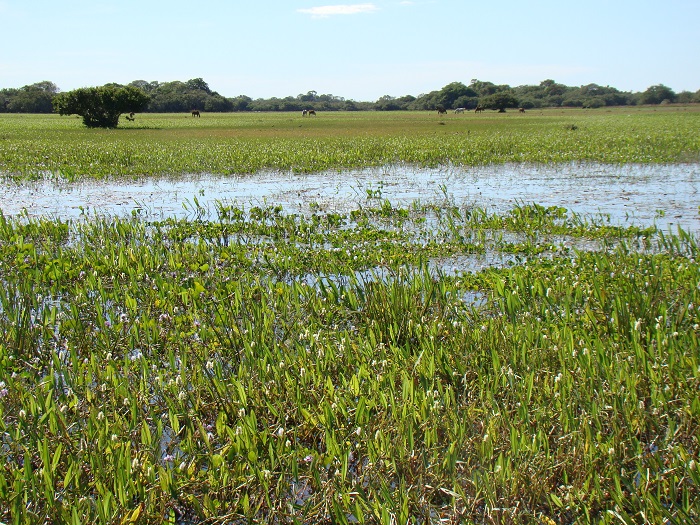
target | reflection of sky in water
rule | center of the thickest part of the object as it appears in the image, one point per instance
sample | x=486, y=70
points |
x=630, y=194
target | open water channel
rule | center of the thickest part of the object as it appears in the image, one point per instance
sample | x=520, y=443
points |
x=667, y=195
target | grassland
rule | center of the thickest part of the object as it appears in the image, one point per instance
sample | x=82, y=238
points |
x=257, y=366
x=34, y=146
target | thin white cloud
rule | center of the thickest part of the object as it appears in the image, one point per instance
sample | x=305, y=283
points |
x=342, y=9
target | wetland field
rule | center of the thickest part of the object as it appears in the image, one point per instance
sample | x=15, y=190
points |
x=382, y=318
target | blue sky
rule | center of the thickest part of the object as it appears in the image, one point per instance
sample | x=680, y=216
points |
x=357, y=50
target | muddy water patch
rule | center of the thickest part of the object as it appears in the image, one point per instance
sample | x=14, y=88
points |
x=626, y=195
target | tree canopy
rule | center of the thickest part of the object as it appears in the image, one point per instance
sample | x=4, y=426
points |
x=184, y=96
x=101, y=107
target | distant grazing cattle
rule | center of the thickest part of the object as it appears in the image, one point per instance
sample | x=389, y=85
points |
x=441, y=111
x=459, y=110
x=478, y=109
x=195, y=113
x=521, y=110
x=308, y=112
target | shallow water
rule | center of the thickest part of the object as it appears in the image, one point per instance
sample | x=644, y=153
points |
x=640, y=195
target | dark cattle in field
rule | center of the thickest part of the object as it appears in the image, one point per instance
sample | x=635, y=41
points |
x=195, y=113
x=441, y=111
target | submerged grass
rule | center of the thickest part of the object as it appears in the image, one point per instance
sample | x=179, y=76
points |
x=257, y=366
x=37, y=146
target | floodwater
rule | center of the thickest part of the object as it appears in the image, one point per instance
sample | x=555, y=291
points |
x=629, y=195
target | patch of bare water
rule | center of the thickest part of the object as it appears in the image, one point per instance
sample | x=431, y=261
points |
x=627, y=195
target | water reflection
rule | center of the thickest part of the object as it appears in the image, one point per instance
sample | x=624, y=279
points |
x=626, y=195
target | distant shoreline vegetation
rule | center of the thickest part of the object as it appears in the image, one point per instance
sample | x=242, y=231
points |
x=177, y=96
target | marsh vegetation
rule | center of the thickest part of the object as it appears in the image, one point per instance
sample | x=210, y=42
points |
x=426, y=360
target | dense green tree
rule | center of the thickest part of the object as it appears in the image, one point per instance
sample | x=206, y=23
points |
x=101, y=107
x=218, y=104
x=657, y=94
x=484, y=89
x=389, y=103
x=309, y=97
x=240, y=103
x=198, y=84
x=178, y=96
x=145, y=86
x=449, y=94
x=34, y=98
x=467, y=102
x=499, y=101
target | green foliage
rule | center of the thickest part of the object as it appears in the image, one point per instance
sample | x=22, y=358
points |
x=178, y=97
x=252, y=365
x=261, y=367
x=182, y=97
x=35, y=98
x=36, y=146
x=499, y=101
x=657, y=94
x=101, y=107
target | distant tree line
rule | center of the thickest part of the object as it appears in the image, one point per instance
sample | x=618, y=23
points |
x=177, y=96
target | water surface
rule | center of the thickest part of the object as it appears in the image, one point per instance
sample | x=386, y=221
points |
x=666, y=195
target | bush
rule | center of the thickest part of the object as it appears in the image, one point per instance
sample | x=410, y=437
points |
x=101, y=107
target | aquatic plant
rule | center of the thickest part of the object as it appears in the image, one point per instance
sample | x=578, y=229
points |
x=261, y=366
x=39, y=146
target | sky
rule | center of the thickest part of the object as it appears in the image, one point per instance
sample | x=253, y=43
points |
x=359, y=51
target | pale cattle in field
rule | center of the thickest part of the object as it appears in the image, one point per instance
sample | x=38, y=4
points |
x=459, y=110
